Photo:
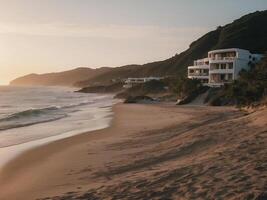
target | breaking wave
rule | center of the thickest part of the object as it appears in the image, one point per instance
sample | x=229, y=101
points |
x=35, y=116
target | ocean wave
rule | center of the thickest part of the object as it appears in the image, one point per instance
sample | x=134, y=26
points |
x=31, y=117
x=42, y=111
x=62, y=108
x=29, y=113
x=6, y=106
x=78, y=104
x=41, y=115
x=29, y=123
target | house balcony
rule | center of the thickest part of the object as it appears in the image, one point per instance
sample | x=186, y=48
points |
x=216, y=80
x=201, y=62
x=199, y=67
x=221, y=71
x=218, y=83
x=198, y=75
x=222, y=59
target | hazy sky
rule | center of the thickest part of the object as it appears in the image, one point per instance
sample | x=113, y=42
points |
x=52, y=35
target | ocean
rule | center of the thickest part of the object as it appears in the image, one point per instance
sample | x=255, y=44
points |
x=32, y=116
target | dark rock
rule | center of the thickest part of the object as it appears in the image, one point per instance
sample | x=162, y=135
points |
x=139, y=99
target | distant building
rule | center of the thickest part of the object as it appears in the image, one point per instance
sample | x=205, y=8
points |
x=222, y=66
x=130, y=82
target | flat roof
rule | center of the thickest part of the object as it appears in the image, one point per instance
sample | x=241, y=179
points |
x=226, y=50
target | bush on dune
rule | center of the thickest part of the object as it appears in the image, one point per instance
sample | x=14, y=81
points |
x=188, y=89
x=251, y=87
x=145, y=89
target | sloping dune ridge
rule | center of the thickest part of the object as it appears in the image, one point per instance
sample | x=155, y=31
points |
x=199, y=153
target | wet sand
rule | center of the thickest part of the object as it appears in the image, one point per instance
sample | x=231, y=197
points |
x=150, y=152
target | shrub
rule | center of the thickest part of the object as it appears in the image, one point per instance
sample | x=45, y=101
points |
x=185, y=86
x=188, y=89
x=249, y=88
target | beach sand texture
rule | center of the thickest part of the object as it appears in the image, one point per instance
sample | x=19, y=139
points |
x=149, y=152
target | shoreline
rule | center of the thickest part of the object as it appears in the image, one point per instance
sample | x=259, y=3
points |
x=95, y=161
x=35, y=124
x=102, y=119
x=50, y=148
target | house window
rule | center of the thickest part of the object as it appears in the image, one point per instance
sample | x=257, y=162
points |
x=223, y=66
x=230, y=66
x=232, y=54
x=222, y=77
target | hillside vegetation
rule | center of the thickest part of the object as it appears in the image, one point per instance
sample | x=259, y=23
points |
x=152, y=88
x=250, y=88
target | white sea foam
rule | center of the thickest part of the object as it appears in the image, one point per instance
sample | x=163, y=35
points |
x=33, y=116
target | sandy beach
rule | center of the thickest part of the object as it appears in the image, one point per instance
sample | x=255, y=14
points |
x=149, y=152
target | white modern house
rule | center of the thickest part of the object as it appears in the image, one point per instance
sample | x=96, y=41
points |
x=222, y=66
x=200, y=70
x=129, y=82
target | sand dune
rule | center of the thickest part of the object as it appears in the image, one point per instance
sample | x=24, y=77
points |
x=150, y=152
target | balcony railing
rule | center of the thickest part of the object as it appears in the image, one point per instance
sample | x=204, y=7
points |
x=220, y=82
x=196, y=63
x=199, y=67
x=223, y=58
x=221, y=71
x=198, y=74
